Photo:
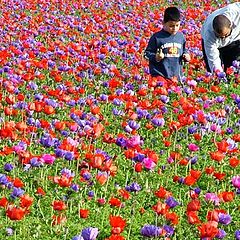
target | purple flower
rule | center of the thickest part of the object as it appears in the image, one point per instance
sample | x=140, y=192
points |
x=139, y=157
x=194, y=159
x=69, y=156
x=164, y=98
x=8, y=167
x=171, y=202
x=59, y=152
x=35, y=162
x=91, y=193
x=75, y=187
x=192, y=129
x=169, y=230
x=121, y=142
x=89, y=233
x=67, y=172
x=159, y=122
x=9, y=231
x=237, y=235
x=224, y=218
x=87, y=176
x=151, y=231
x=134, y=125
x=77, y=237
x=221, y=234
x=134, y=187
x=3, y=179
x=17, y=192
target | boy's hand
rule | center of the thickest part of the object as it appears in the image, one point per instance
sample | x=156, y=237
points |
x=186, y=57
x=159, y=55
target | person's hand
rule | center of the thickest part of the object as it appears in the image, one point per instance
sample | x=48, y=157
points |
x=186, y=57
x=159, y=55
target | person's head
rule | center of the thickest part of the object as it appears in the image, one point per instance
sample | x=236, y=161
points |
x=222, y=26
x=171, y=20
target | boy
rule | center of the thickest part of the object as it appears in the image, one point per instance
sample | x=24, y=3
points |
x=166, y=48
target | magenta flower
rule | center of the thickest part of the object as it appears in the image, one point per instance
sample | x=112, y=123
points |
x=149, y=163
x=193, y=147
x=236, y=181
x=48, y=159
x=212, y=197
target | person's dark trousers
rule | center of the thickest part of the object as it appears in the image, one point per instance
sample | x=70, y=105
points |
x=227, y=54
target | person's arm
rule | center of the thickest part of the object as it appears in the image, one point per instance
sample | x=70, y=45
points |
x=186, y=56
x=151, y=50
x=212, y=54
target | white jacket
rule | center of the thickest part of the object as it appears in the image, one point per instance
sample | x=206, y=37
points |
x=211, y=42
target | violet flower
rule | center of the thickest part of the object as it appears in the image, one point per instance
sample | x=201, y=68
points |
x=224, y=218
x=151, y=231
x=89, y=233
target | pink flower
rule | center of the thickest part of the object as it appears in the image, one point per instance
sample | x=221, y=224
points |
x=236, y=181
x=48, y=159
x=149, y=163
x=134, y=141
x=212, y=197
x=193, y=147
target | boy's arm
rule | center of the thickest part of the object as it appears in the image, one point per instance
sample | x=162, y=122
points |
x=151, y=50
x=186, y=56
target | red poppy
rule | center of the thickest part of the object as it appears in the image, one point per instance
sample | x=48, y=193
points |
x=15, y=213
x=208, y=230
x=227, y=196
x=195, y=173
x=115, y=202
x=58, y=205
x=162, y=193
x=58, y=220
x=217, y=156
x=138, y=167
x=213, y=215
x=124, y=193
x=18, y=183
x=3, y=202
x=197, y=136
x=172, y=217
x=115, y=237
x=209, y=170
x=190, y=180
x=160, y=208
x=117, y=223
x=194, y=205
x=192, y=217
x=49, y=110
x=40, y=191
x=102, y=178
x=83, y=213
x=219, y=176
x=26, y=201
x=236, y=137
x=234, y=162
x=222, y=146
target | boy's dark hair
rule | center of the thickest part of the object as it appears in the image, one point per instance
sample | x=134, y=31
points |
x=220, y=22
x=171, y=14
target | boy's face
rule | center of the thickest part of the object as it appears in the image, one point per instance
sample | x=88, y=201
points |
x=171, y=27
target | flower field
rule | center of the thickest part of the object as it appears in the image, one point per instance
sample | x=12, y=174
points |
x=93, y=147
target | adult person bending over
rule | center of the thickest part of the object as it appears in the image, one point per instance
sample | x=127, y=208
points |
x=221, y=38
